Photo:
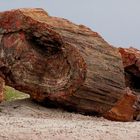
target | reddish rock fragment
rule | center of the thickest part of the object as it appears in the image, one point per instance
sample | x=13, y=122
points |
x=125, y=108
x=2, y=84
x=130, y=56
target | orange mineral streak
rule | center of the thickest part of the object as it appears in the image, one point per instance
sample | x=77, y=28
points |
x=125, y=109
x=130, y=56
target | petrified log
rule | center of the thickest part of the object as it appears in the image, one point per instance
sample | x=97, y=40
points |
x=59, y=62
x=131, y=62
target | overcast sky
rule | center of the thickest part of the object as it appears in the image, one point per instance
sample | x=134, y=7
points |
x=118, y=21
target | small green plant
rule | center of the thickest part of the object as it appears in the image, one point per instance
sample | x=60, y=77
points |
x=12, y=94
x=0, y=109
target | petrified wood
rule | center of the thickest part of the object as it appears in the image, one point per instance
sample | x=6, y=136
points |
x=59, y=62
x=131, y=62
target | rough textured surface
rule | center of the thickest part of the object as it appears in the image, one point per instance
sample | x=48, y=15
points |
x=129, y=56
x=59, y=62
x=125, y=109
x=22, y=119
x=131, y=62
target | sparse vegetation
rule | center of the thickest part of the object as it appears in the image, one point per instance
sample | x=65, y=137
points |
x=12, y=94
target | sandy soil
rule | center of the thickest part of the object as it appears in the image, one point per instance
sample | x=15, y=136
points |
x=25, y=120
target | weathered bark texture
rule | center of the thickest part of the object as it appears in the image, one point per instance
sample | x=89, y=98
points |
x=59, y=62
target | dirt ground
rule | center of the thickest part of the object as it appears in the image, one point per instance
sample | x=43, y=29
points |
x=25, y=120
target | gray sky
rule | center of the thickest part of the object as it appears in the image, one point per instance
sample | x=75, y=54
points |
x=118, y=21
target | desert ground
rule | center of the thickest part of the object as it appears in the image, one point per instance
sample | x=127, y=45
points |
x=25, y=120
